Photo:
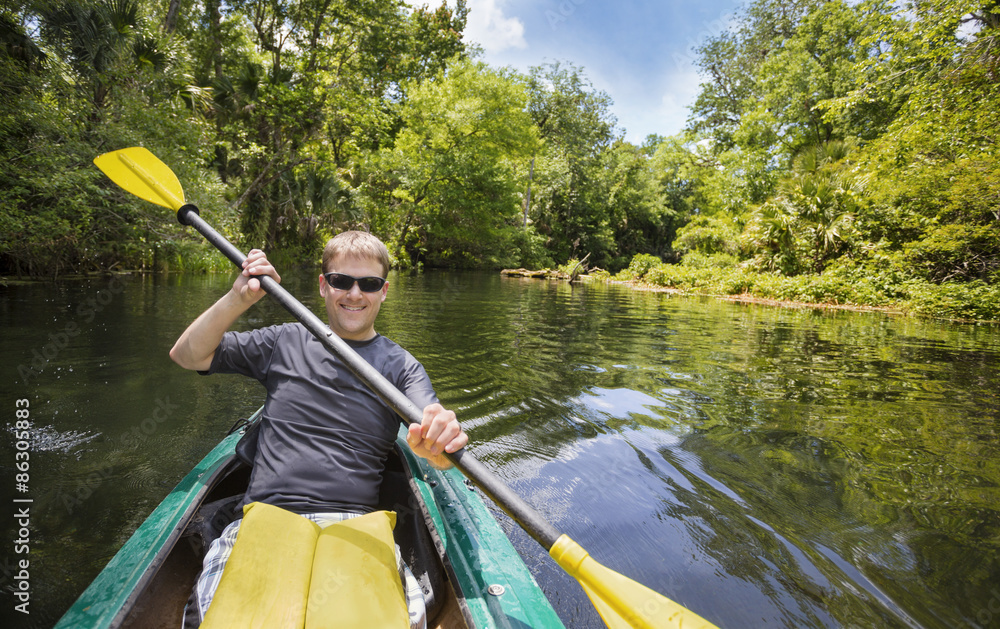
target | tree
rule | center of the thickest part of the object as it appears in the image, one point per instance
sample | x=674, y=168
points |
x=102, y=41
x=641, y=219
x=317, y=92
x=106, y=80
x=732, y=62
x=448, y=190
x=569, y=200
x=676, y=186
x=813, y=64
x=933, y=170
x=770, y=81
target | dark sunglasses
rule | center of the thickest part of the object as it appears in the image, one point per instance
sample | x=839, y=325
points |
x=340, y=281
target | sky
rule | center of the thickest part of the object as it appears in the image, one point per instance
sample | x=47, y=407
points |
x=639, y=53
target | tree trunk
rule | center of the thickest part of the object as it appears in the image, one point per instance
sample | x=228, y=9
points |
x=170, y=22
x=527, y=198
x=215, y=21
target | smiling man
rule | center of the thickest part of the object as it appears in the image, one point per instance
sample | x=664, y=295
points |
x=324, y=436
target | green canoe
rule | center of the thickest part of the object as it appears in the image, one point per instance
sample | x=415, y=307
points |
x=471, y=574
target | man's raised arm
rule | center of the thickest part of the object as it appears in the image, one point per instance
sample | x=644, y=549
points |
x=196, y=346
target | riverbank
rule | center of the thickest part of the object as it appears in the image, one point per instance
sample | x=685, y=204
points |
x=886, y=286
x=762, y=301
x=838, y=289
x=555, y=274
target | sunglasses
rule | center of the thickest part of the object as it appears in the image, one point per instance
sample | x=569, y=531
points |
x=340, y=281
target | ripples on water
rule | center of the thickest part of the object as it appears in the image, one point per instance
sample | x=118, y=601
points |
x=763, y=466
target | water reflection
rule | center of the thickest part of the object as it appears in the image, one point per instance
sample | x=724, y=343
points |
x=765, y=467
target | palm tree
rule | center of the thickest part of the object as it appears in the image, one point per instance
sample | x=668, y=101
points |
x=826, y=197
x=97, y=38
x=811, y=215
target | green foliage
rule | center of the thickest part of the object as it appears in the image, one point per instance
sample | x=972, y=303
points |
x=956, y=251
x=708, y=235
x=570, y=266
x=640, y=214
x=599, y=274
x=698, y=260
x=592, y=194
x=964, y=301
x=58, y=213
x=526, y=248
x=810, y=219
x=640, y=266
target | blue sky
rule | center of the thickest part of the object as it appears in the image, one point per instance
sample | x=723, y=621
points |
x=640, y=53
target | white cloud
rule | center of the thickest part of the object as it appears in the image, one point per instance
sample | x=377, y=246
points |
x=644, y=105
x=489, y=27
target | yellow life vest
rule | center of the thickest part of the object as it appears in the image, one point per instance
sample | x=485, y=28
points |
x=285, y=571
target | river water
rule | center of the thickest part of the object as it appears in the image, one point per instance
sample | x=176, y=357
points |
x=763, y=466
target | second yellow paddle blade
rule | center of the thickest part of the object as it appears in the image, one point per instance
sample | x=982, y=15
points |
x=140, y=172
x=621, y=602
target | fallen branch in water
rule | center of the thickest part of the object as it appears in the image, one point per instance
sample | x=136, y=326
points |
x=542, y=274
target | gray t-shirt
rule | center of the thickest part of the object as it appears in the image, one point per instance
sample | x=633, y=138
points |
x=324, y=436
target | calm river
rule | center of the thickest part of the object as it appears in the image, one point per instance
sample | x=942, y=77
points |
x=765, y=467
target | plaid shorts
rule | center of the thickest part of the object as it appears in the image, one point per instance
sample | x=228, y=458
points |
x=220, y=550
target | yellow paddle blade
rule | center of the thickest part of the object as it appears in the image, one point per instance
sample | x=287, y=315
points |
x=140, y=172
x=621, y=602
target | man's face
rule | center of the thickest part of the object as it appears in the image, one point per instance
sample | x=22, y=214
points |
x=351, y=312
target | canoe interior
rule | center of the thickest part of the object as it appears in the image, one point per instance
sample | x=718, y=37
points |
x=471, y=574
x=162, y=601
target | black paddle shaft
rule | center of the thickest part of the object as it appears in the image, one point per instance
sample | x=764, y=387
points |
x=498, y=491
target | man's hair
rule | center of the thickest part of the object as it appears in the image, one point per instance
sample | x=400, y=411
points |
x=356, y=244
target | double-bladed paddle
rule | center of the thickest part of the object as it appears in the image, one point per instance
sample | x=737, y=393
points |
x=620, y=601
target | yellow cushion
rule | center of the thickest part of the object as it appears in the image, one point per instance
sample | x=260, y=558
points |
x=286, y=572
